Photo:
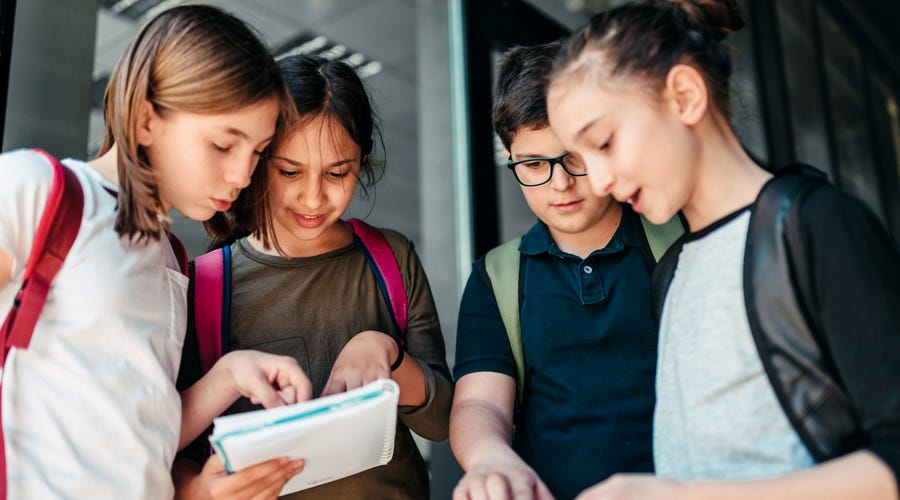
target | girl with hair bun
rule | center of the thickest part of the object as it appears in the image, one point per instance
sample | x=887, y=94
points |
x=777, y=369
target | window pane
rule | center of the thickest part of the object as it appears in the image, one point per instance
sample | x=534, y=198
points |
x=807, y=104
x=746, y=114
x=886, y=128
x=855, y=166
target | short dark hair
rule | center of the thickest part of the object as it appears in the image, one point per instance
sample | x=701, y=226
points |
x=520, y=90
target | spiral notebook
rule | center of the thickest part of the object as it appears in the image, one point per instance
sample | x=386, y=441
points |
x=337, y=435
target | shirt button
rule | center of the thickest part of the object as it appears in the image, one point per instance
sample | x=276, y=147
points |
x=588, y=269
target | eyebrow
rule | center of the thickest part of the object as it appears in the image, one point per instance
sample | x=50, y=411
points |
x=588, y=125
x=243, y=135
x=301, y=164
x=237, y=132
x=523, y=157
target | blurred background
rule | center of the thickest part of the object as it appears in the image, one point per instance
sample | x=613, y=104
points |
x=816, y=81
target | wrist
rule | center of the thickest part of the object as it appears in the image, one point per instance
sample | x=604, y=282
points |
x=399, y=359
x=491, y=452
x=223, y=376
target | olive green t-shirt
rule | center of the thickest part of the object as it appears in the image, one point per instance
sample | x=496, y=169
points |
x=309, y=308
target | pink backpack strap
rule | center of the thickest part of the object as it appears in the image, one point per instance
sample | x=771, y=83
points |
x=210, y=273
x=384, y=264
x=55, y=234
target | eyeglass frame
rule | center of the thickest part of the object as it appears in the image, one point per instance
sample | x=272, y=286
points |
x=510, y=164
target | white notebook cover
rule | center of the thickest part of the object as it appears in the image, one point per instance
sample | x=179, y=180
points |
x=336, y=435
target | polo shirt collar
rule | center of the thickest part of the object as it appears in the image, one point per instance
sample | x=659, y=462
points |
x=538, y=240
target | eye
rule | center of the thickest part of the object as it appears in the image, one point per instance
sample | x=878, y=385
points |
x=606, y=145
x=573, y=160
x=338, y=174
x=534, y=164
x=290, y=174
x=221, y=149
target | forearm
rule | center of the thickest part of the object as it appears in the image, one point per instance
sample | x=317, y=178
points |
x=6, y=267
x=860, y=475
x=477, y=429
x=411, y=379
x=431, y=419
x=184, y=475
x=208, y=398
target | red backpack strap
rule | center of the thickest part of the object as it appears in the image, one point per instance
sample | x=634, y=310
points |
x=212, y=285
x=56, y=231
x=180, y=253
x=55, y=234
x=387, y=272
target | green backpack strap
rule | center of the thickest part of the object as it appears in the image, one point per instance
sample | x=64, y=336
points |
x=502, y=266
x=661, y=236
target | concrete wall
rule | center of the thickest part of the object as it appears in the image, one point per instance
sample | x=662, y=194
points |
x=50, y=76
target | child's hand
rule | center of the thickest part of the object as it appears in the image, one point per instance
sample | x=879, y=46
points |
x=636, y=486
x=261, y=481
x=501, y=476
x=267, y=379
x=366, y=358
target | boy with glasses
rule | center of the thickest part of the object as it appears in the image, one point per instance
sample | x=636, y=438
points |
x=585, y=406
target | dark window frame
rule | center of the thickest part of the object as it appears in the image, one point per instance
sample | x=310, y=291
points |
x=494, y=25
x=7, y=22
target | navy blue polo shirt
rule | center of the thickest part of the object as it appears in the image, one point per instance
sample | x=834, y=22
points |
x=590, y=353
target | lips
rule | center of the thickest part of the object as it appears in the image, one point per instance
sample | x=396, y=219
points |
x=222, y=205
x=309, y=221
x=635, y=201
x=568, y=206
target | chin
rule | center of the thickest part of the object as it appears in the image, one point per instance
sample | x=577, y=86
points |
x=569, y=226
x=198, y=214
x=659, y=216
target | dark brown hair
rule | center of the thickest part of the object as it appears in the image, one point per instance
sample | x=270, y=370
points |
x=317, y=87
x=519, y=92
x=195, y=59
x=646, y=39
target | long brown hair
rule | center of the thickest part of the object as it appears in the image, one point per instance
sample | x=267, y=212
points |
x=193, y=58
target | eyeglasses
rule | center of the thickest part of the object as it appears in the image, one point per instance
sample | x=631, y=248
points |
x=537, y=171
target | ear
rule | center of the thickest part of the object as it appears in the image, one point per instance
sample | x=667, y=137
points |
x=686, y=93
x=146, y=124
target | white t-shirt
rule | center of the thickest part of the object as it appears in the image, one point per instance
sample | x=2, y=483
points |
x=90, y=409
x=717, y=416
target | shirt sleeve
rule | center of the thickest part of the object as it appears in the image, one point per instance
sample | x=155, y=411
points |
x=26, y=182
x=425, y=343
x=855, y=265
x=482, y=344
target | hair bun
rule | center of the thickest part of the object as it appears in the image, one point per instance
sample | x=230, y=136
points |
x=718, y=18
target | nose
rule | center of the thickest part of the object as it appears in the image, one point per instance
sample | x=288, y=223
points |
x=560, y=180
x=239, y=172
x=311, y=191
x=601, y=179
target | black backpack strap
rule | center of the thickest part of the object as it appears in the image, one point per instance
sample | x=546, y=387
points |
x=776, y=294
x=662, y=279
